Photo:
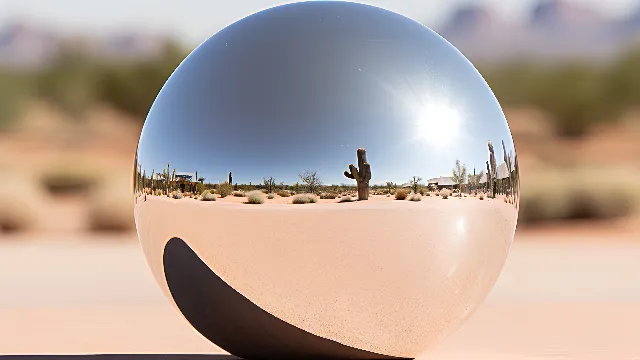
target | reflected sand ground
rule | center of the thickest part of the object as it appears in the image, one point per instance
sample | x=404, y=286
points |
x=99, y=297
x=331, y=269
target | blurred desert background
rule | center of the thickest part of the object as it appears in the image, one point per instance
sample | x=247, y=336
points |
x=73, y=102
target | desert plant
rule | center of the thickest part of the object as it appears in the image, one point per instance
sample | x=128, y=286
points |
x=415, y=197
x=269, y=184
x=238, y=193
x=312, y=181
x=361, y=174
x=445, y=193
x=225, y=189
x=389, y=186
x=401, y=194
x=305, y=199
x=271, y=196
x=328, y=195
x=346, y=199
x=255, y=197
x=492, y=159
x=177, y=195
x=481, y=196
x=415, y=182
x=207, y=195
x=284, y=193
x=459, y=174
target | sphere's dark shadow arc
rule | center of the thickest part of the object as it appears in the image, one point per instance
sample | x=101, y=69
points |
x=233, y=322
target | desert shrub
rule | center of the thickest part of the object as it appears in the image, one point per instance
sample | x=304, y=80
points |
x=271, y=195
x=427, y=193
x=65, y=181
x=415, y=197
x=401, y=194
x=328, y=195
x=577, y=194
x=225, y=189
x=481, y=196
x=284, y=193
x=305, y=199
x=445, y=193
x=238, y=193
x=177, y=195
x=110, y=207
x=346, y=199
x=255, y=197
x=388, y=195
x=207, y=195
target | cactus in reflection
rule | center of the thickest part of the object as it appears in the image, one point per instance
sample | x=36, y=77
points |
x=488, y=184
x=492, y=159
x=361, y=174
x=173, y=180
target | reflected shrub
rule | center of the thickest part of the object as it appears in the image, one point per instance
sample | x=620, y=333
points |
x=401, y=194
x=305, y=199
x=255, y=197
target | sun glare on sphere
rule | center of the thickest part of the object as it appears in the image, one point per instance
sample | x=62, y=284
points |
x=438, y=124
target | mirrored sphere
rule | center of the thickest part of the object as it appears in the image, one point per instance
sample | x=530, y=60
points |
x=326, y=179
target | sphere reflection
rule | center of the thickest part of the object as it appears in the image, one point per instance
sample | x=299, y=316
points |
x=336, y=170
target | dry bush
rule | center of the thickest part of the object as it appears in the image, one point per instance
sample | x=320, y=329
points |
x=445, y=193
x=415, y=197
x=345, y=199
x=401, y=194
x=577, y=194
x=208, y=195
x=481, y=196
x=224, y=189
x=238, y=193
x=21, y=200
x=284, y=193
x=328, y=196
x=305, y=199
x=271, y=196
x=64, y=180
x=111, y=207
x=255, y=197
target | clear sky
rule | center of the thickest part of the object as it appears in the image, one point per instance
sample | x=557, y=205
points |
x=195, y=20
x=302, y=87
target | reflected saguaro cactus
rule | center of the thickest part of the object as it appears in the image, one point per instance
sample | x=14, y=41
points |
x=492, y=159
x=361, y=174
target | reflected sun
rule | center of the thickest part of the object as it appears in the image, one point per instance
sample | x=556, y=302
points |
x=438, y=124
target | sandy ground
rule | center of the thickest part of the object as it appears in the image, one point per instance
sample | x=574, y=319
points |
x=386, y=276
x=554, y=300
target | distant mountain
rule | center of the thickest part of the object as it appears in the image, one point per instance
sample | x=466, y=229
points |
x=26, y=46
x=554, y=30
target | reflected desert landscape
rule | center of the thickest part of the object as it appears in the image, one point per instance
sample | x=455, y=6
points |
x=366, y=254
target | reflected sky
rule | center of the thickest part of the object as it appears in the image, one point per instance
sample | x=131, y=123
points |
x=302, y=86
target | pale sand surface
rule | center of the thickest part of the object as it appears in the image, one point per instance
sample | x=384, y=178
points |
x=555, y=300
x=386, y=276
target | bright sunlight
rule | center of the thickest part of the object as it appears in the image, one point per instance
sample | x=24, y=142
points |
x=438, y=124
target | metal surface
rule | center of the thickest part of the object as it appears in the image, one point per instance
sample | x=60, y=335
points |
x=341, y=167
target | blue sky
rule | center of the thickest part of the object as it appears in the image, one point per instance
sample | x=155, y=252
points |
x=195, y=20
x=302, y=87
